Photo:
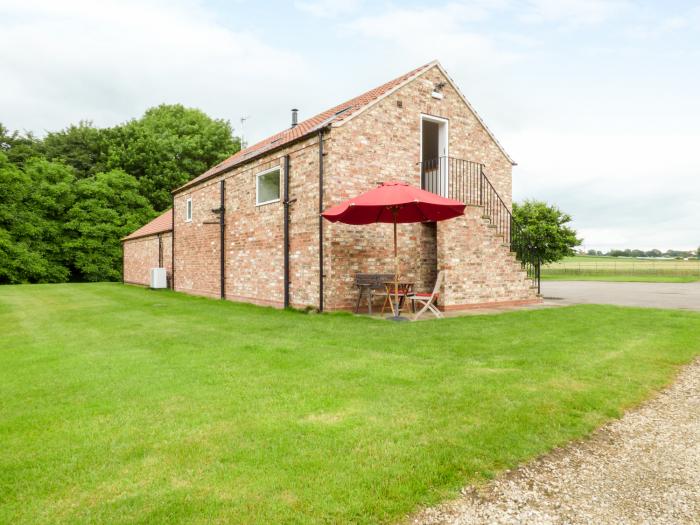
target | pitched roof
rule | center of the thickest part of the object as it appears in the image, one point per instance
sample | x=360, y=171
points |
x=335, y=115
x=162, y=223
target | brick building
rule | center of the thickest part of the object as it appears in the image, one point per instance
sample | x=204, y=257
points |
x=148, y=247
x=249, y=228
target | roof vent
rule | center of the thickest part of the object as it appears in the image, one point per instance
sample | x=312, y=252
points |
x=295, y=113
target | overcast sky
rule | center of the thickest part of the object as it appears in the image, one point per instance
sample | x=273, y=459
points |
x=597, y=101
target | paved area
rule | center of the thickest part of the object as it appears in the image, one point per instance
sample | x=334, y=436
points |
x=643, y=468
x=684, y=296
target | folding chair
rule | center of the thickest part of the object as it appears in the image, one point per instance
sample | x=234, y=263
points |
x=427, y=300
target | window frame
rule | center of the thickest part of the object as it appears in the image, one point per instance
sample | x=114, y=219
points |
x=257, y=186
x=188, y=209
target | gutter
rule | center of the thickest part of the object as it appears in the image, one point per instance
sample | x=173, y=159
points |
x=320, y=220
x=286, y=230
x=172, y=248
x=222, y=235
x=257, y=154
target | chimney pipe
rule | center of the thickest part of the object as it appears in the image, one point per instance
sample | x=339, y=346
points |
x=295, y=112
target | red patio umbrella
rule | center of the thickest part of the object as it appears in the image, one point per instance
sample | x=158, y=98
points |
x=395, y=202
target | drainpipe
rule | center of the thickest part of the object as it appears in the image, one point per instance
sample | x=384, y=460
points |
x=160, y=250
x=172, y=246
x=222, y=232
x=286, y=231
x=320, y=220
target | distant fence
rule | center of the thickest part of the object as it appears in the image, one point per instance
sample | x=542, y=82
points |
x=661, y=268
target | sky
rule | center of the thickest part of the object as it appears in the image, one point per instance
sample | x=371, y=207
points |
x=598, y=102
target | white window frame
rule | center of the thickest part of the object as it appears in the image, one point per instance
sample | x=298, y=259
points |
x=188, y=209
x=257, y=185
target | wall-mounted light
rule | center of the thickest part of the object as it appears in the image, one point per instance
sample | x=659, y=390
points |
x=437, y=91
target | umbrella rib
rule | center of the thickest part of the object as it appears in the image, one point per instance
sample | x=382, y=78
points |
x=379, y=214
x=425, y=217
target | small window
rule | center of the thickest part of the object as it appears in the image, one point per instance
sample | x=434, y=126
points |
x=267, y=186
x=188, y=210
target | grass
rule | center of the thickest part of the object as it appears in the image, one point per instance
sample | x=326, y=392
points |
x=594, y=268
x=618, y=277
x=123, y=405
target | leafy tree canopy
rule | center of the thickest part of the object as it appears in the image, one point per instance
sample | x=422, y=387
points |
x=83, y=147
x=547, y=229
x=107, y=207
x=70, y=197
x=169, y=146
x=35, y=200
x=18, y=147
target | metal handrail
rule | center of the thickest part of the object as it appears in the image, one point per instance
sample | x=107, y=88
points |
x=466, y=181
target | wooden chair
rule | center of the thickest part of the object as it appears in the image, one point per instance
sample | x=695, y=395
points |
x=427, y=300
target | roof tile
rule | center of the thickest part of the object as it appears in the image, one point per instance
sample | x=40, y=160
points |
x=162, y=223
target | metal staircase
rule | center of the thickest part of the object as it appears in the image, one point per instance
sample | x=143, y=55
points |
x=465, y=181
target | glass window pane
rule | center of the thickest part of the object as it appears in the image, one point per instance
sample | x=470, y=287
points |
x=269, y=186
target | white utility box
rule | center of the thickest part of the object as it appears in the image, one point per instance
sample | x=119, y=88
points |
x=158, y=278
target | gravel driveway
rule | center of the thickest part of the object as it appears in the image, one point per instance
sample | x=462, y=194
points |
x=643, y=468
x=684, y=296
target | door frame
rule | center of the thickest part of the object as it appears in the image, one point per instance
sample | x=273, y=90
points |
x=443, y=143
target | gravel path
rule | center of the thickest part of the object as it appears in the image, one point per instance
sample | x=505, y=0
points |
x=641, y=469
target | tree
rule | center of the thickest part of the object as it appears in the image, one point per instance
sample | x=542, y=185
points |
x=547, y=229
x=69, y=198
x=35, y=199
x=83, y=147
x=18, y=147
x=169, y=146
x=108, y=206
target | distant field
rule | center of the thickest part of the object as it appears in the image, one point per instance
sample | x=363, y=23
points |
x=583, y=267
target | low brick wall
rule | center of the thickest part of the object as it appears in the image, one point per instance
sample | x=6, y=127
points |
x=144, y=253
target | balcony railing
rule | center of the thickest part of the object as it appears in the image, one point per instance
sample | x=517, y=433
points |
x=466, y=181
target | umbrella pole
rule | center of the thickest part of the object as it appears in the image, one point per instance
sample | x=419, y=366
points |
x=396, y=272
x=395, y=309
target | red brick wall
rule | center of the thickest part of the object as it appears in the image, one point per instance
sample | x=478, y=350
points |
x=140, y=255
x=380, y=144
x=479, y=268
x=383, y=144
x=254, y=234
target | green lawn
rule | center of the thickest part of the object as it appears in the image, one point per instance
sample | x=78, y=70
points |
x=629, y=278
x=594, y=268
x=123, y=405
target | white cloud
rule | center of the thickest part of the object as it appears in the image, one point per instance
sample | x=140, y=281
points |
x=63, y=61
x=328, y=8
x=605, y=128
x=437, y=32
x=574, y=12
x=625, y=190
x=655, y=28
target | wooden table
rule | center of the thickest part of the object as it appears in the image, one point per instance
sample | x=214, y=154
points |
x=405, y=288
